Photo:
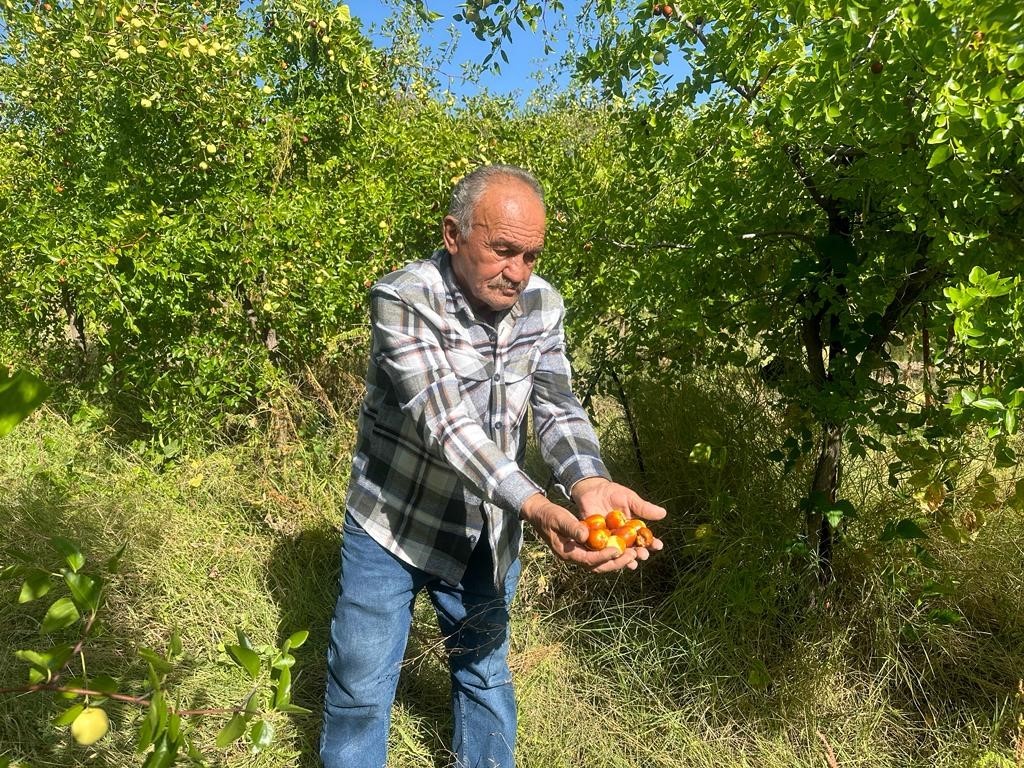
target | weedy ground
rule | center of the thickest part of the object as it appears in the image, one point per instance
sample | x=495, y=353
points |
x=720, y=651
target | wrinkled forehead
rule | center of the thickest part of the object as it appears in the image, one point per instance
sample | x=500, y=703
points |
x=513, y=209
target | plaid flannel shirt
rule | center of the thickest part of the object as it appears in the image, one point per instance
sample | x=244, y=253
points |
x=442, y=429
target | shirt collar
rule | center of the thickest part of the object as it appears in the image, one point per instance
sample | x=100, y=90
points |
x=455, y=299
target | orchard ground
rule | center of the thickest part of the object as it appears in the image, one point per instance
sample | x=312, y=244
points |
x=721, y=651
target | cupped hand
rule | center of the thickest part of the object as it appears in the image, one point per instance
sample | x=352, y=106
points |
x=598, y=496
x=566, y=536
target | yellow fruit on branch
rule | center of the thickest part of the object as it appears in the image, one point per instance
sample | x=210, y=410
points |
x=90, y=726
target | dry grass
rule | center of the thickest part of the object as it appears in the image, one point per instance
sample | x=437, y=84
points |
x=712, y=654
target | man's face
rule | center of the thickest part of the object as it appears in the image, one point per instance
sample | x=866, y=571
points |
x=494, y=262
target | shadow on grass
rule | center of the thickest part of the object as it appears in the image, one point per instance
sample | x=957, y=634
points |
x=302, y=579
x=38, y=511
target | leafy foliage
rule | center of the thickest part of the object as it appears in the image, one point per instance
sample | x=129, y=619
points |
x=822, y=193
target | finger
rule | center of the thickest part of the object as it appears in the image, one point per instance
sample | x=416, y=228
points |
x=566, y=525
x=645, y=509
x=618, y=562
x=589, y=558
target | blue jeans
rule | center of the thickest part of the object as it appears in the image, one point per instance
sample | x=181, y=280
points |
x=368, y=637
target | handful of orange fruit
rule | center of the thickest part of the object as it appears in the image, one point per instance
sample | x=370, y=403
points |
x=615, y=529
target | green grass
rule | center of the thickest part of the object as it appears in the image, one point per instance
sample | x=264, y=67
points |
x=717, y=652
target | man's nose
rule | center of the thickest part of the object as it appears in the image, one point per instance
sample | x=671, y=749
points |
x=517, y=270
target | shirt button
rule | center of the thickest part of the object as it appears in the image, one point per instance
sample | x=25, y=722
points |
x=496, y=377
x=497, y=425
x=472, y=539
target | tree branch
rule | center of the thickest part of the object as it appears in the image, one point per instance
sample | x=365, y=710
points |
x=810, y=332
x=827, y=204
x=922, y=275
x=139, y=701
x=781, y=234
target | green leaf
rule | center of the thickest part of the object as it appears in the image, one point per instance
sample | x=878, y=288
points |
x=72, y=554
x=232, y=731
x=758, y=675
x=36, y=584
x=153, y=724
x=905, y=529
x=114, y=562
x=160, y=664
x=20, y=394
x=84, y=589
x=987, y=404
x=283, y=660
x=49, y=661
x=261, y=735
x=283, y=694
x=61, y=615
x=152, y=677
x=944, y=616
x=173, y=726
x=245, y=658
x=162, y=755
x=67, y=717
x=174, y=647
x=297, y=639
x=843, y=509
x=103, y=683
x=294, y=709
x=940, y=155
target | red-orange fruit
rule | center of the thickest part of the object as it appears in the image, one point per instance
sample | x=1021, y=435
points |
x=644, y=537
x=594, y=522
x=617, y=542
x=616, y=519
x=627, y=533
x=598, y=538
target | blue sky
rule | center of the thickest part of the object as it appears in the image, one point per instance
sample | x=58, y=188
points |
x=525, y=53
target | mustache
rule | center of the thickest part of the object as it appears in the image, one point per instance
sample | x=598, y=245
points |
x=501, y=283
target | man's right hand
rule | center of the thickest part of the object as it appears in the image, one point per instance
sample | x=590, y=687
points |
x=566, y=536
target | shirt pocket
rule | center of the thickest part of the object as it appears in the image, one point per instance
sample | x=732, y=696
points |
x=470, y=367
x=521, y=367
x=518, y=378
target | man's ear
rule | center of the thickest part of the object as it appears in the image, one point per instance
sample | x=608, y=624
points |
x=450, y=230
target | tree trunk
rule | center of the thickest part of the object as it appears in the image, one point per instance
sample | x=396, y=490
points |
x=631, y=423
x=267, y=335
x=825, y=484
x=926, y=356
x=74, y=326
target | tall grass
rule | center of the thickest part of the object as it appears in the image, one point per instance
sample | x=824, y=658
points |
x=716, y=652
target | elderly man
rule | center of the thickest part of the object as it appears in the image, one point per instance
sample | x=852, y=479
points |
x=461, y=344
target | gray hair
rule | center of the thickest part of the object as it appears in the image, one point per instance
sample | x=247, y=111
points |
x=471, y=187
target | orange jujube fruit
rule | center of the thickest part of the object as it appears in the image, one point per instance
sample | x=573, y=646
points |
x=598, y=538
x=614, y=540
x=616, y=519
x=627, y=533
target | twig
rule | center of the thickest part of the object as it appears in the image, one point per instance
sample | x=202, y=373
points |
x=139, y=701
x=830, y=755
